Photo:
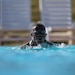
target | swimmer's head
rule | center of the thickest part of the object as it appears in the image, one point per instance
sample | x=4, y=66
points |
x=39, y=32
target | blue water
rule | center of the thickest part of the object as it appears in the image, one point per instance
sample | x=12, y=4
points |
x=37, y=61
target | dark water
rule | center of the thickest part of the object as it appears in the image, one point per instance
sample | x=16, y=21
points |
x=37, y=61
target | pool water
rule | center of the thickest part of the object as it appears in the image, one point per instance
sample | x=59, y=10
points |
x=37, y=61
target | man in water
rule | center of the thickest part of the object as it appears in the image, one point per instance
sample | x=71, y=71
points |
x=38, y=37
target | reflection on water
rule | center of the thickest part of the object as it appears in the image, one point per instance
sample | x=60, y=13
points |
x=37, y=61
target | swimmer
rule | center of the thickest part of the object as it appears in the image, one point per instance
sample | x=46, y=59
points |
x=38, y=37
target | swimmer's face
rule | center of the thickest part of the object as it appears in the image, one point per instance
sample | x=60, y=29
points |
x=40, y=36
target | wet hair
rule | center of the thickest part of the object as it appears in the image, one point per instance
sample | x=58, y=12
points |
x=39, y=27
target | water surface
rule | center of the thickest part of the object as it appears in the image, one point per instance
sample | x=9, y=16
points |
x=37, y=61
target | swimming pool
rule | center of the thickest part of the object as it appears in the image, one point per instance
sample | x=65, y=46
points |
x=37, y=61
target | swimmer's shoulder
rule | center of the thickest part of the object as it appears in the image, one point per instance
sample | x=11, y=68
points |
x=50, y=43
x=30, y=43
x=25, y=45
